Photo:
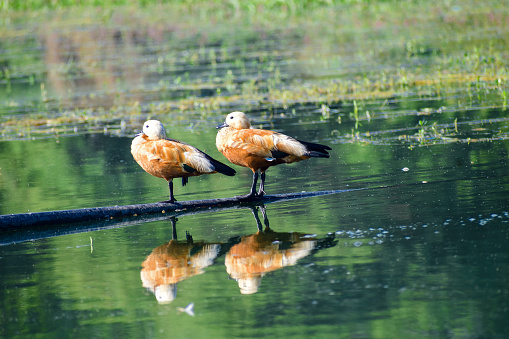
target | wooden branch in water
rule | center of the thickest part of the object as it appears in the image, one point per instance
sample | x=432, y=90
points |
x=30, y=226
x=97, y=213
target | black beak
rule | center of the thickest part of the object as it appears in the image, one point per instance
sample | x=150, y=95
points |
x=224, y=124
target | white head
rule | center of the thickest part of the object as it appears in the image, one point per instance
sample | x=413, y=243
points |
x=237, y=120
x=154, y=129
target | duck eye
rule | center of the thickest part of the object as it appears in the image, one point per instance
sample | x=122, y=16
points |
x=146, y=126
x=231, y=117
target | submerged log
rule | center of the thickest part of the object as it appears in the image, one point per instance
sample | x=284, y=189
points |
x=31, y=226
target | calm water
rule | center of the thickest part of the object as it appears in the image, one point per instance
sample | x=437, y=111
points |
x=424, y=257
x=414, y=246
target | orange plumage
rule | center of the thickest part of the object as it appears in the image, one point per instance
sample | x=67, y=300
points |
x=260, y=149
x=168, y=159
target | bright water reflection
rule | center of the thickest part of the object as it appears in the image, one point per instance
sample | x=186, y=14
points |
x=247, y=258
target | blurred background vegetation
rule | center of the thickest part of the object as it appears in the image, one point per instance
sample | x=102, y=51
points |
x=293, y=5
x=83, y=66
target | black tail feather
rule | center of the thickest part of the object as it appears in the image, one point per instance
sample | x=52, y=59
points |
x=316, y=150
x=219, y=166
x=222, y=168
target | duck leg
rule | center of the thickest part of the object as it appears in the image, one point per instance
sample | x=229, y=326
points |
x=261, y=191
x=251, y=194
x=172, y=197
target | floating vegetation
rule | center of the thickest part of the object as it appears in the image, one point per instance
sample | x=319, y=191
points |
x=349, y=70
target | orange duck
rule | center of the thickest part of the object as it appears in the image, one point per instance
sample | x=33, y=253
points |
x=260, y=149
x=168, y=159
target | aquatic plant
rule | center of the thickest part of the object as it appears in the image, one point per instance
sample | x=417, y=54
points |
x=348, y=66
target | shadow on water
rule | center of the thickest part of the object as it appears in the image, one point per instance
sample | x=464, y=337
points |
x=247, y=258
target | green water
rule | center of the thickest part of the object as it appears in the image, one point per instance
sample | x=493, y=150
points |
x=412, y=101
x=424, y=257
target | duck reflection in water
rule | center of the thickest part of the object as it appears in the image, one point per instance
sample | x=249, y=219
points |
x=175, y=261
x=265, y=251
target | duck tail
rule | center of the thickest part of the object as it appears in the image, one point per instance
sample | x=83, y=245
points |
x=316, y=150
x=222, y=168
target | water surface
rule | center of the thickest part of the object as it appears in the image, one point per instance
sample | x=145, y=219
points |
x=425, y=256
x=415, y=244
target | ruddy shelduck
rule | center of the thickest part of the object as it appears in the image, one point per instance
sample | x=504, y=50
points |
x=168, y=159
x=260, y=149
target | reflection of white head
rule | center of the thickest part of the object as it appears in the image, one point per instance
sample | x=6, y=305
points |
x=165, y=293
x=249, y=285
